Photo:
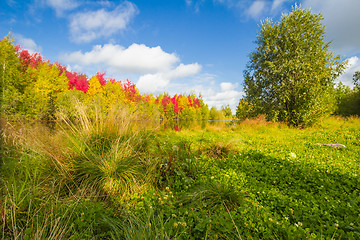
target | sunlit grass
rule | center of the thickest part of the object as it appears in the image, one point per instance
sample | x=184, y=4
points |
x=98, y=175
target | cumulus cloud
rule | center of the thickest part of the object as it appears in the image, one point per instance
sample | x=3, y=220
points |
x=27, y=43
x=153, y=83
x=342, y=23
x=90, y=25
x=352, y=66
x=137, y=58
x=157, y=83
x=226, y=86
x=154, y=68
x=60, y=6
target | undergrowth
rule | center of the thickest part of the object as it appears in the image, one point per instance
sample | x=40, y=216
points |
x=108, y=177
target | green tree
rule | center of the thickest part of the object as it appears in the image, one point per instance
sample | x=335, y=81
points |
x=10, y=78
x=227, y=111
x=244, y=110
x=347, y=100
x=215, y=114
x=290, y=75
x=204, y=111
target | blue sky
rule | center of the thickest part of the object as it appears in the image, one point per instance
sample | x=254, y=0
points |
x=174, y=46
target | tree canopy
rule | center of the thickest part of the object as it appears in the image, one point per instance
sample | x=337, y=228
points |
x=290, y=75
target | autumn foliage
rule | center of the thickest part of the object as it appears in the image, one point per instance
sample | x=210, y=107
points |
x=34, y=88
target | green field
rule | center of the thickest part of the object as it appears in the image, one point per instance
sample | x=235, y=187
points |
x=112, y=179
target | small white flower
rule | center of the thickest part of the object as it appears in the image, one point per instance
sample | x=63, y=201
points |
x=336, y=225
x=292, y=155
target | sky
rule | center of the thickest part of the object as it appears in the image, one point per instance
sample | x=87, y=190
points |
x=173, y=46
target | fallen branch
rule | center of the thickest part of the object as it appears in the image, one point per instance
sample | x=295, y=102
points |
x=338, y=146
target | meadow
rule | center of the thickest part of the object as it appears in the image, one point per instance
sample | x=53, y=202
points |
x=111, y=176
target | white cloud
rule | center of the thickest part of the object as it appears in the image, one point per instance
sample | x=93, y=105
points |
x=153, y=83
x=342, y=23
x=27, y=43
x=61, y=6
x=183, y=71
x=90, y=25
x=227, y=86
x=158, y=82
x=137, y=58
x=255, y=10
x=352, y=66
x=154, y=68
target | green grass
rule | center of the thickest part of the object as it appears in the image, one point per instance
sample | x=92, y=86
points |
x=107, y=178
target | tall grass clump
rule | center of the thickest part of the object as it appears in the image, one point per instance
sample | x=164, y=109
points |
x=106, y=152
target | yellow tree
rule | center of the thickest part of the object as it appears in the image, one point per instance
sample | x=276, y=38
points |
x=41, y=94
x=113, y=93
x=95, y=87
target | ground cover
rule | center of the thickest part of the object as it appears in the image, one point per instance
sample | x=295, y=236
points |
x=107, y=179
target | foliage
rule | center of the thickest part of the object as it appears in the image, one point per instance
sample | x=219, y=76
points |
x=35, y=89
x=244, y=110
x=290, y=74
x=227, y=111
x=41, y=93
x=10, y=82
x=347, y=100
x=180, y=106
x=215, y=114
